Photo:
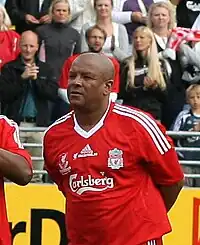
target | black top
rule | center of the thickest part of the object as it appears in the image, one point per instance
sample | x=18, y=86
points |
x=149, y=100
x=61, y=41
x=187, y=12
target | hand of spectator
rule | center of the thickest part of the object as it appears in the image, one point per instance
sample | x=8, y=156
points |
x=30, y=72
x=45, y=19
x=196, y=127
x=30, y=19
x=138, y=17
x=149, y=83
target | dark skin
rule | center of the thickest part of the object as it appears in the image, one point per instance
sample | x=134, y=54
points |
x=90, y=82
x=15, y=167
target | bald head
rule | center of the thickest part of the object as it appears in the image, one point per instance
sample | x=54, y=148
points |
x=101, y=63
x=29, y=45
x=30, y=35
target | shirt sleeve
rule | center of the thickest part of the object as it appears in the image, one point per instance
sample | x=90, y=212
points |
x=11, y=141
x=157, y=152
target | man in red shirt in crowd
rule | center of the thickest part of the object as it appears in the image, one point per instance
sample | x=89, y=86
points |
x=95, y=37
x=15, y=165
x=114, y=164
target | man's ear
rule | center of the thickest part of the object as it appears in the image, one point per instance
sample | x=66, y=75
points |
x=108, y=87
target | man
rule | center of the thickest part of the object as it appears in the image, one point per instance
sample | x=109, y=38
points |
x=26, y=86
x=117, y=168
x=28, y=14
x=95, y=37
x=15, y=165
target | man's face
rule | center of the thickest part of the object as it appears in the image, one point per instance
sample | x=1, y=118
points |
x=28, y=46
x=86, y=87
x=96, y=40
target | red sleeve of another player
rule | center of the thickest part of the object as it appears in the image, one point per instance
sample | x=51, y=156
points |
x=49, y=154
x=116, y=81
x=63, y=80
x=11, y=142
x=158, y=153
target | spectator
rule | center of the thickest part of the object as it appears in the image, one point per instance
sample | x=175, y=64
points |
x=190, y=60
x=28, y=14
x=59, y=39
x=83, y=12
x=140, y=10
x=142, y=83
x=15, y=165
x=161, y=20
x=116, y=43
x=189, y=120
x=115, y=165
x=26, y=86
x=95, y=37
x=59, y=42
x=9, y=39
x=186, y=12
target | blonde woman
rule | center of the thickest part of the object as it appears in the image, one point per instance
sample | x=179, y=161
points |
x=8, y=39
x=58, y=42
x=143, y=84
x=161, y=19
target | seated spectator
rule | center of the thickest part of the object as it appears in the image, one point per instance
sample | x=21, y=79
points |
x=26, y=86
x=28, y=14
x=116, y=44
x=9, y=39
x=58, y=42
x=95, y=37
x=189, y=120
x=142, y=83
x=161, y=19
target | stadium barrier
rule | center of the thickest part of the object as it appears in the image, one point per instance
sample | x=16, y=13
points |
x=170, y=133
x=36, y=216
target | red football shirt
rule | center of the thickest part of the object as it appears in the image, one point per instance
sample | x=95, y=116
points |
x=9, y=141
x=63, y=81
x=109, y=176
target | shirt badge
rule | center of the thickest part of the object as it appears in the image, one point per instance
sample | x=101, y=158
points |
x=64, y=167
x=115, y=159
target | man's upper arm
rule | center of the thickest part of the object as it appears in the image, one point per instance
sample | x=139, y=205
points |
x=11, y=140
x=158, y=153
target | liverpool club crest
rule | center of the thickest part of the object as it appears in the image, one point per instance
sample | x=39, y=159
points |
x=115, y=159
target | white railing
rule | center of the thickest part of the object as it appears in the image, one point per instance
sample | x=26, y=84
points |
x=172, y=134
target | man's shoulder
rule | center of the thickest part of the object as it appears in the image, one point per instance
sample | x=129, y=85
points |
x=14, y=63
x=139, y=120
x=61, y=123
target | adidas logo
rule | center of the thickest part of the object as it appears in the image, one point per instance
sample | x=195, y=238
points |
x=85, y=152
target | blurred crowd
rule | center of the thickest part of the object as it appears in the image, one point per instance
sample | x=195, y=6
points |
x=154, y=47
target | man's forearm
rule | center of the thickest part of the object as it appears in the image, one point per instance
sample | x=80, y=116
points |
x=170, y=194
x=15, y=167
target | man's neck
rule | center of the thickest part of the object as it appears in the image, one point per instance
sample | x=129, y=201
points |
x=28, y=62
x=87, y=119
